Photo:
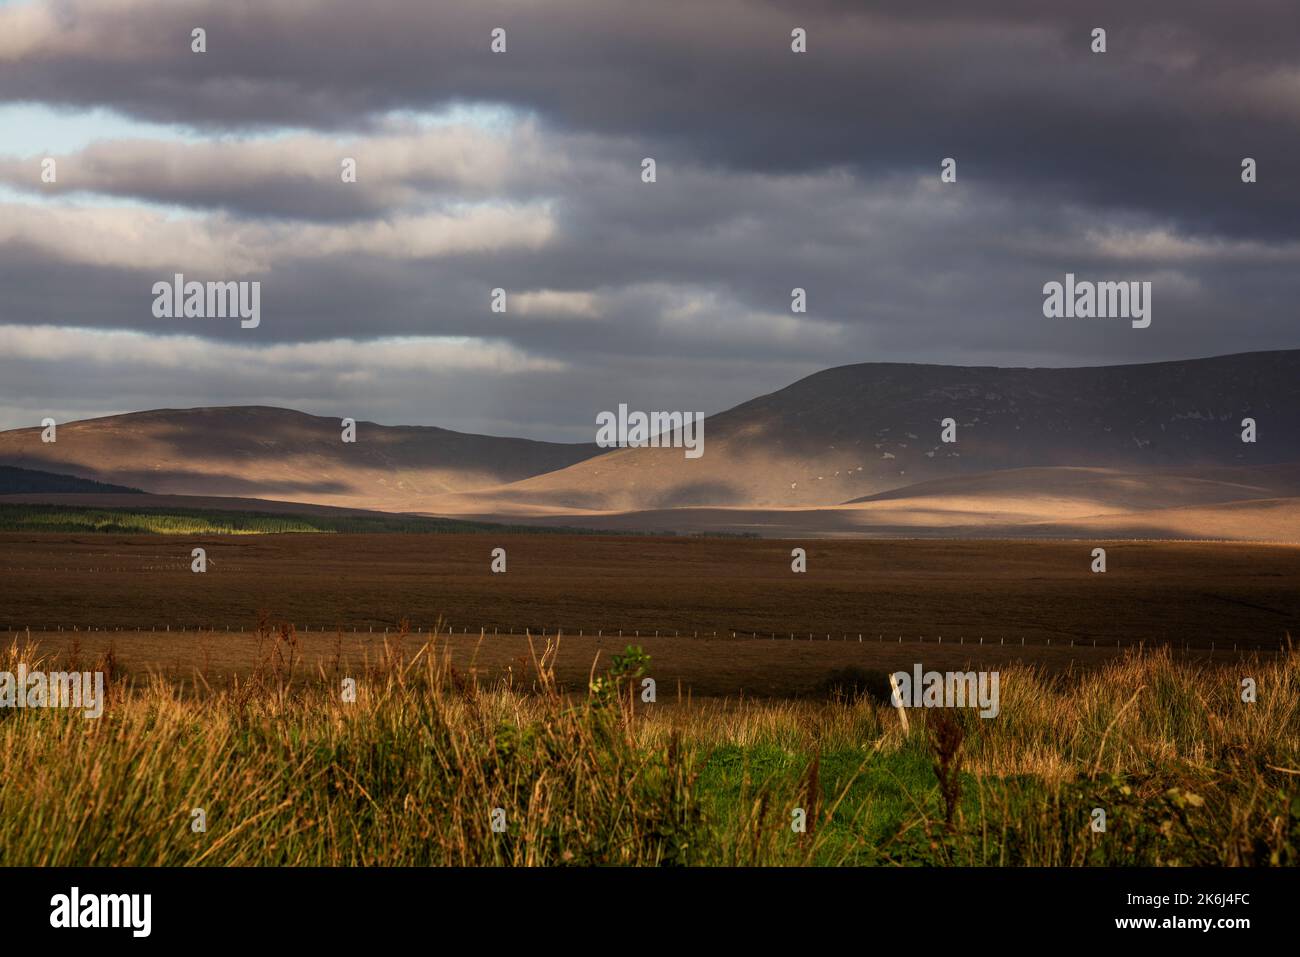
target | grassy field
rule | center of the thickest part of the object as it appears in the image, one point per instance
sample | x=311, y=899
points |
x=685, y=667
x=199, y=521
x=1201, y=594
x=1125, y=697
x=411, y=772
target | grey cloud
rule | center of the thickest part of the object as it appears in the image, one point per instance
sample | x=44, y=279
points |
x=399, y=168
x=774, y=171
x=1159, y=122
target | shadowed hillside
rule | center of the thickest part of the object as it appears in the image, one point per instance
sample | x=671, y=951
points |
x=15, y=481
x=1031, y=445
x=262, y=452
x=859, y=430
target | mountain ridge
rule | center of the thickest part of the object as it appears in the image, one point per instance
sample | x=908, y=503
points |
x=856, y=430
x=837, y=436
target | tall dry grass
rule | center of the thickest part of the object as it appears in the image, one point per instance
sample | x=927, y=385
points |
x=288, y=773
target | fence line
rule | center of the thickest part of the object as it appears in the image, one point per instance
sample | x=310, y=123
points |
x=625, y=633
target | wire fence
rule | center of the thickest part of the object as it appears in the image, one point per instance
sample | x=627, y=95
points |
x=496, y=631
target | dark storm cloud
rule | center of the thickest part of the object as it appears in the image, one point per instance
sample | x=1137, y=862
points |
x=1159, y=122
x=703, y=268
x=775, y=171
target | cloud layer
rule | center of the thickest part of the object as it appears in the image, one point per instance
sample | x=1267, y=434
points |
x=522, y=171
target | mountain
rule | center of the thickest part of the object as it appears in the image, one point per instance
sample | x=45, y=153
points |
x=1034, y=444
x=859, y=430
x=268, y=453
x=14, y=481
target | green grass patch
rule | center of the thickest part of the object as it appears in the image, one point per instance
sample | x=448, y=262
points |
x=200, y=521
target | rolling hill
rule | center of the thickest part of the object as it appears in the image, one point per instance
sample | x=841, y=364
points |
x=1260, y=503
x=859, y=430
x=269, y=453
x=851, y=450
x=16, y=481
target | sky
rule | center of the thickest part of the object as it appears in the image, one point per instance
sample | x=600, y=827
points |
x=523, y=170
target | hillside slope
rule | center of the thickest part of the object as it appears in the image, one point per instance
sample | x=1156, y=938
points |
x=859, y=430
x=261, y=452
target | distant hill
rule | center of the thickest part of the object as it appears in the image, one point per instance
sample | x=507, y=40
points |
x=1126, y=438
x=262, y=452
x=1260, y=503
x=16, y=481
x=185, y=515
x=1091, y=491
x=860, y=430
